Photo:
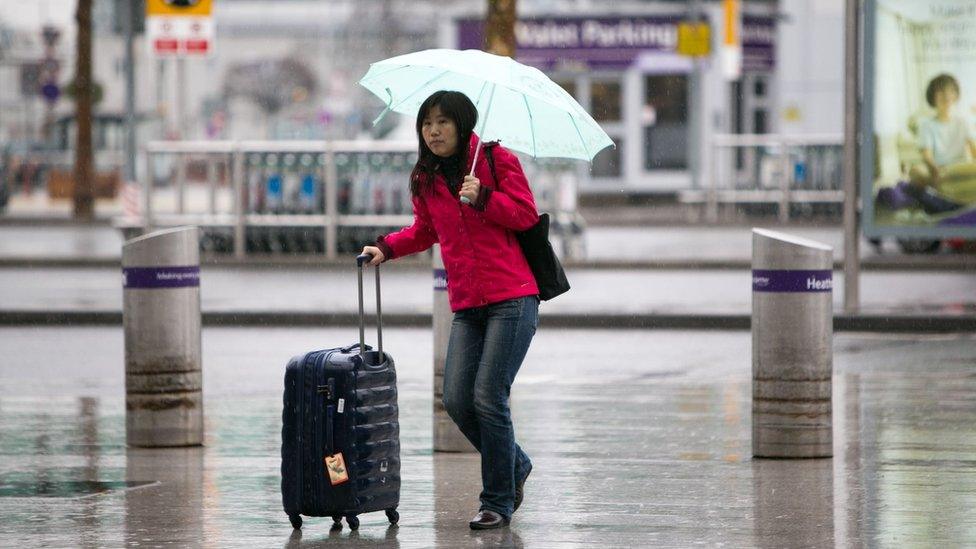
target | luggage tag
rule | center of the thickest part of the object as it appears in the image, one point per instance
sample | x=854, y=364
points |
x=336, y=466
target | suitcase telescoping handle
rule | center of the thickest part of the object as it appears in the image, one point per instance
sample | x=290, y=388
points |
x=361, y=260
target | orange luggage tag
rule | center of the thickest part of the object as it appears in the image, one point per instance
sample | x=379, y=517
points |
x=336, y=466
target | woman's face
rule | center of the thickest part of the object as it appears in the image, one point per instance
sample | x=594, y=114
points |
x=439, y=132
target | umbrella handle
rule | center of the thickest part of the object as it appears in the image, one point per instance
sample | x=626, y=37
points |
x=474, y=161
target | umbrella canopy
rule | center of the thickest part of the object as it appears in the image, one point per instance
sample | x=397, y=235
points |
x=517, y=105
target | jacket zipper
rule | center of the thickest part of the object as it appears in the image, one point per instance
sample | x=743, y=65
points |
x=327, y=390
x=318, y=432
x=328, y=393
x=456, y=196
x=464, y=228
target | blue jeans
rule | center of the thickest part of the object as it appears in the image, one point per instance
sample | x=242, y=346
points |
x=484, y=353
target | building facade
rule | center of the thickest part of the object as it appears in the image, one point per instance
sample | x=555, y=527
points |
x=290, y=73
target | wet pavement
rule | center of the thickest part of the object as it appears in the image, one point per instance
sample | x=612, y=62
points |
x=639, y=438
x=407, y=290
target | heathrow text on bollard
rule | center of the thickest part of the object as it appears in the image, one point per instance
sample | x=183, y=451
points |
x=792, y=354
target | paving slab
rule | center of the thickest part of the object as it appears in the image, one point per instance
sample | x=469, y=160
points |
x=639, y=439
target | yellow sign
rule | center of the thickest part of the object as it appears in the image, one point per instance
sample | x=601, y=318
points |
x=197, y=8
x=694, y=39
x=792, y=113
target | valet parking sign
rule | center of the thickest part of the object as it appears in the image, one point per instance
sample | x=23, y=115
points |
x=180, y=28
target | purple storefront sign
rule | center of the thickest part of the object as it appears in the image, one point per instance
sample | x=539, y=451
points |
x=612, y=42
x=606, y=42
x=790, y=281
x=160, y=277
x=758, y=43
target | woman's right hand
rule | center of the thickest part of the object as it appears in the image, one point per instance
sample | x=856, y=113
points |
x=378, y=256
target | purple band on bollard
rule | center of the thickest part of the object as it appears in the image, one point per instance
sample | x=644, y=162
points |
x=160, y=277
x=789, y=281
x=440, y=279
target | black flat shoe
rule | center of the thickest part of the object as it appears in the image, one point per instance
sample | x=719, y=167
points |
x=487, y=520
x=520, y=491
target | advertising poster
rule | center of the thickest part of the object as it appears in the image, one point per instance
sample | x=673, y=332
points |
x=918, y=163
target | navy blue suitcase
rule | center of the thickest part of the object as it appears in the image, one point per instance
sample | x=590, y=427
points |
x=340, y=439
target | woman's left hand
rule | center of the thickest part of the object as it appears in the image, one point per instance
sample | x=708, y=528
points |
x=470, y=188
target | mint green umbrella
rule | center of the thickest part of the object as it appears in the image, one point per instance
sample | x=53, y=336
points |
x=517, y=105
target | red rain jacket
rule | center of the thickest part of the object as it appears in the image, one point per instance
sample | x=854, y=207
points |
x=483, y=260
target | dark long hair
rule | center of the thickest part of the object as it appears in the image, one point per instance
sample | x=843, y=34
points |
x=457, y=107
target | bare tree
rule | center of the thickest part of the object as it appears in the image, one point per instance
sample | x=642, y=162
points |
x=84, y=199
x=500, y=27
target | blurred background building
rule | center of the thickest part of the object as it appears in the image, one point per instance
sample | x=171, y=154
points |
x=288, y=70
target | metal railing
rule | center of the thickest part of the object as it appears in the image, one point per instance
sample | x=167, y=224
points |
x=772, y=168
x=342, y=191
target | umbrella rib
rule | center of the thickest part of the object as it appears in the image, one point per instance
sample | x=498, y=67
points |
x=386, y=72
x=386, y=110
x=484, y=123
x=414, y=92
x=481, y=93
x=531, y=125
x=580, y=135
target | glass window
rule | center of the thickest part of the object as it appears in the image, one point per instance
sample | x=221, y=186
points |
x=605, y=100
x=668, y=94
x=666, y=122
x=607, y=162
x=759, y=119
x=568, y=85
x=759, y=87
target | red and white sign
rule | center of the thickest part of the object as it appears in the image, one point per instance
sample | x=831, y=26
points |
x=184, y=36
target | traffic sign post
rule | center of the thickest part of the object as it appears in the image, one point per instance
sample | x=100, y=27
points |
x=50, y=72
x=180, y=28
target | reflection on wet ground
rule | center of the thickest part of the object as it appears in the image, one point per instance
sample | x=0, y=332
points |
x=650, y=454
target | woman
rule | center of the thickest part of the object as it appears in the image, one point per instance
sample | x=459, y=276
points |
x=491, y=290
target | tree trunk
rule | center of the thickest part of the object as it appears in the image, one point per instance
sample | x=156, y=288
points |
x=500, y=28
x=84, y=200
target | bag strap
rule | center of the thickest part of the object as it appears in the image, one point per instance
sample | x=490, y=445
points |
x=490, y=156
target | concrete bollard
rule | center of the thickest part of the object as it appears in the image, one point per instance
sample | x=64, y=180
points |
x=447, y=437
x=792, y=353
x=161, y=318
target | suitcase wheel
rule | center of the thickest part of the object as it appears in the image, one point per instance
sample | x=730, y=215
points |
x=296, y=521
x=353, y=522
x=393, y=515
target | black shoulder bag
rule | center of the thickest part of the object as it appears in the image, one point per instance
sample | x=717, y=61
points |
x=548, y=271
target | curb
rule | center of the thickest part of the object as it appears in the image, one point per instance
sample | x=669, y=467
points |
x=598, y=321
x=47, y=220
